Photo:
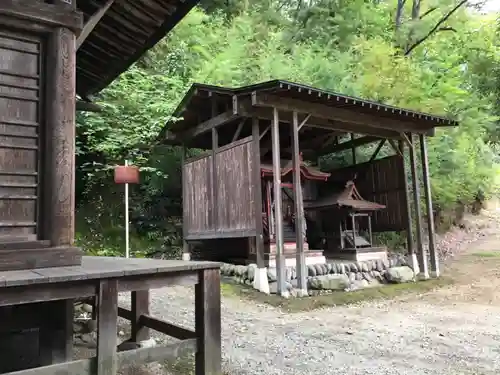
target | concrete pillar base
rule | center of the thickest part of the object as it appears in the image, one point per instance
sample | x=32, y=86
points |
x=414, y=264
x=260, y=281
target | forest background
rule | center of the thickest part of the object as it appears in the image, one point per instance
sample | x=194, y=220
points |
x=437, y=56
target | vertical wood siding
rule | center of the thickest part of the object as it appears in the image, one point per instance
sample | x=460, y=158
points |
x=232, y=210
x=20, y=87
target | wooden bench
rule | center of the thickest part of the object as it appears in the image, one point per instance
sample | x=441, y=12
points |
x=103, y=278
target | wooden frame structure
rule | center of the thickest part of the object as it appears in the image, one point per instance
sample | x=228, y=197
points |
x=103, y=278
x=284, y=119
x=50, y=52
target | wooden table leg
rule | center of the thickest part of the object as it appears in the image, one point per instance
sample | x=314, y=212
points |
x=107, y=319
x=208, y=323
x=56, y=333
x=140, y=306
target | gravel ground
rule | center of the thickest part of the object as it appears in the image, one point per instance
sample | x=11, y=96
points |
x=390, y=337
x=455, y=330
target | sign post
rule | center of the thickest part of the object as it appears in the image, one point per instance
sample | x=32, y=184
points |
x=126, y=174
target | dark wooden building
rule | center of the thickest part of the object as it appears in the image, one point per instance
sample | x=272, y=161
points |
x=263, y=145
x=50, y=52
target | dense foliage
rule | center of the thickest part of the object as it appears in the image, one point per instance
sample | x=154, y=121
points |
x=439, y=56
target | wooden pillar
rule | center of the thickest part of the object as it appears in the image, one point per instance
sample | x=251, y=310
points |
x=215, y=144
x=353, y=150
x=59, y=197
x=208, y=323
x=139, y=306
x=107, y=318
x=56, y=332
x=422, y=259
x=434, y=258
x=257, y=188
x=215, y=182
x=280, y=261
x=409, y=224
x=186, y=249
x=299, y=209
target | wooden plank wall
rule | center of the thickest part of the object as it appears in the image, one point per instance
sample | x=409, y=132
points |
x=232, y=209
x=20, y=86
x=197, y=199
x=380, y=181
x=234, y=196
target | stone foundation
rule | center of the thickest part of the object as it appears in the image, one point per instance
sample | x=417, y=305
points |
x=337, y=275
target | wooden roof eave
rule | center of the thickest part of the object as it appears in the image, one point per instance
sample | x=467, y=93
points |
x=340, y=115
x=153, y=18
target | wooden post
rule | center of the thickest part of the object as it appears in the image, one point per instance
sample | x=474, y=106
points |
x=215, y=182
x=409, y=224
x=422, y=259
x=280, y=261
x=107, y=319
x=208, y=323
x=430, y=214
x=215, y=145
x=299, y=209
x=370, y=229
x=353, y=151
x=259, y=238
x=186, y=249
x=140, y=306
x=59, y=194
x=353, y=223
x=56, y=332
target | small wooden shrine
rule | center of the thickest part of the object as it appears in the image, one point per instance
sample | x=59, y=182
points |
x=352, y=214
x=309, y=175
x=232, y=211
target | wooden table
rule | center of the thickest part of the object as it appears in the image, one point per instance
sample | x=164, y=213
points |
x=103, y=278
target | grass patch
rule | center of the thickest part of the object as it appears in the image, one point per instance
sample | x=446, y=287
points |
x=294, y=305
x=487, y=254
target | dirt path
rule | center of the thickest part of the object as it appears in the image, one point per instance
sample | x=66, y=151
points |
x=454, y=330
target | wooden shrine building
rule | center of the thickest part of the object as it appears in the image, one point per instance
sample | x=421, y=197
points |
x=258, y=194
x=50, y=52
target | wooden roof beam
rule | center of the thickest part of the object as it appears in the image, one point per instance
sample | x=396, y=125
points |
x=84, y=106
x=207, y=125
x=357, y=142
x=345, y=116
x=92, y=23
x=245, y=109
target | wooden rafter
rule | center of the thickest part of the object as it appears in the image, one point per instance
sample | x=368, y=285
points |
x=205, y=126
x=92, y=22
x=336, y=114
x=377, y=150
x=354, y=143
x=238, y=130
x=304, y=122
x=83, y=106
